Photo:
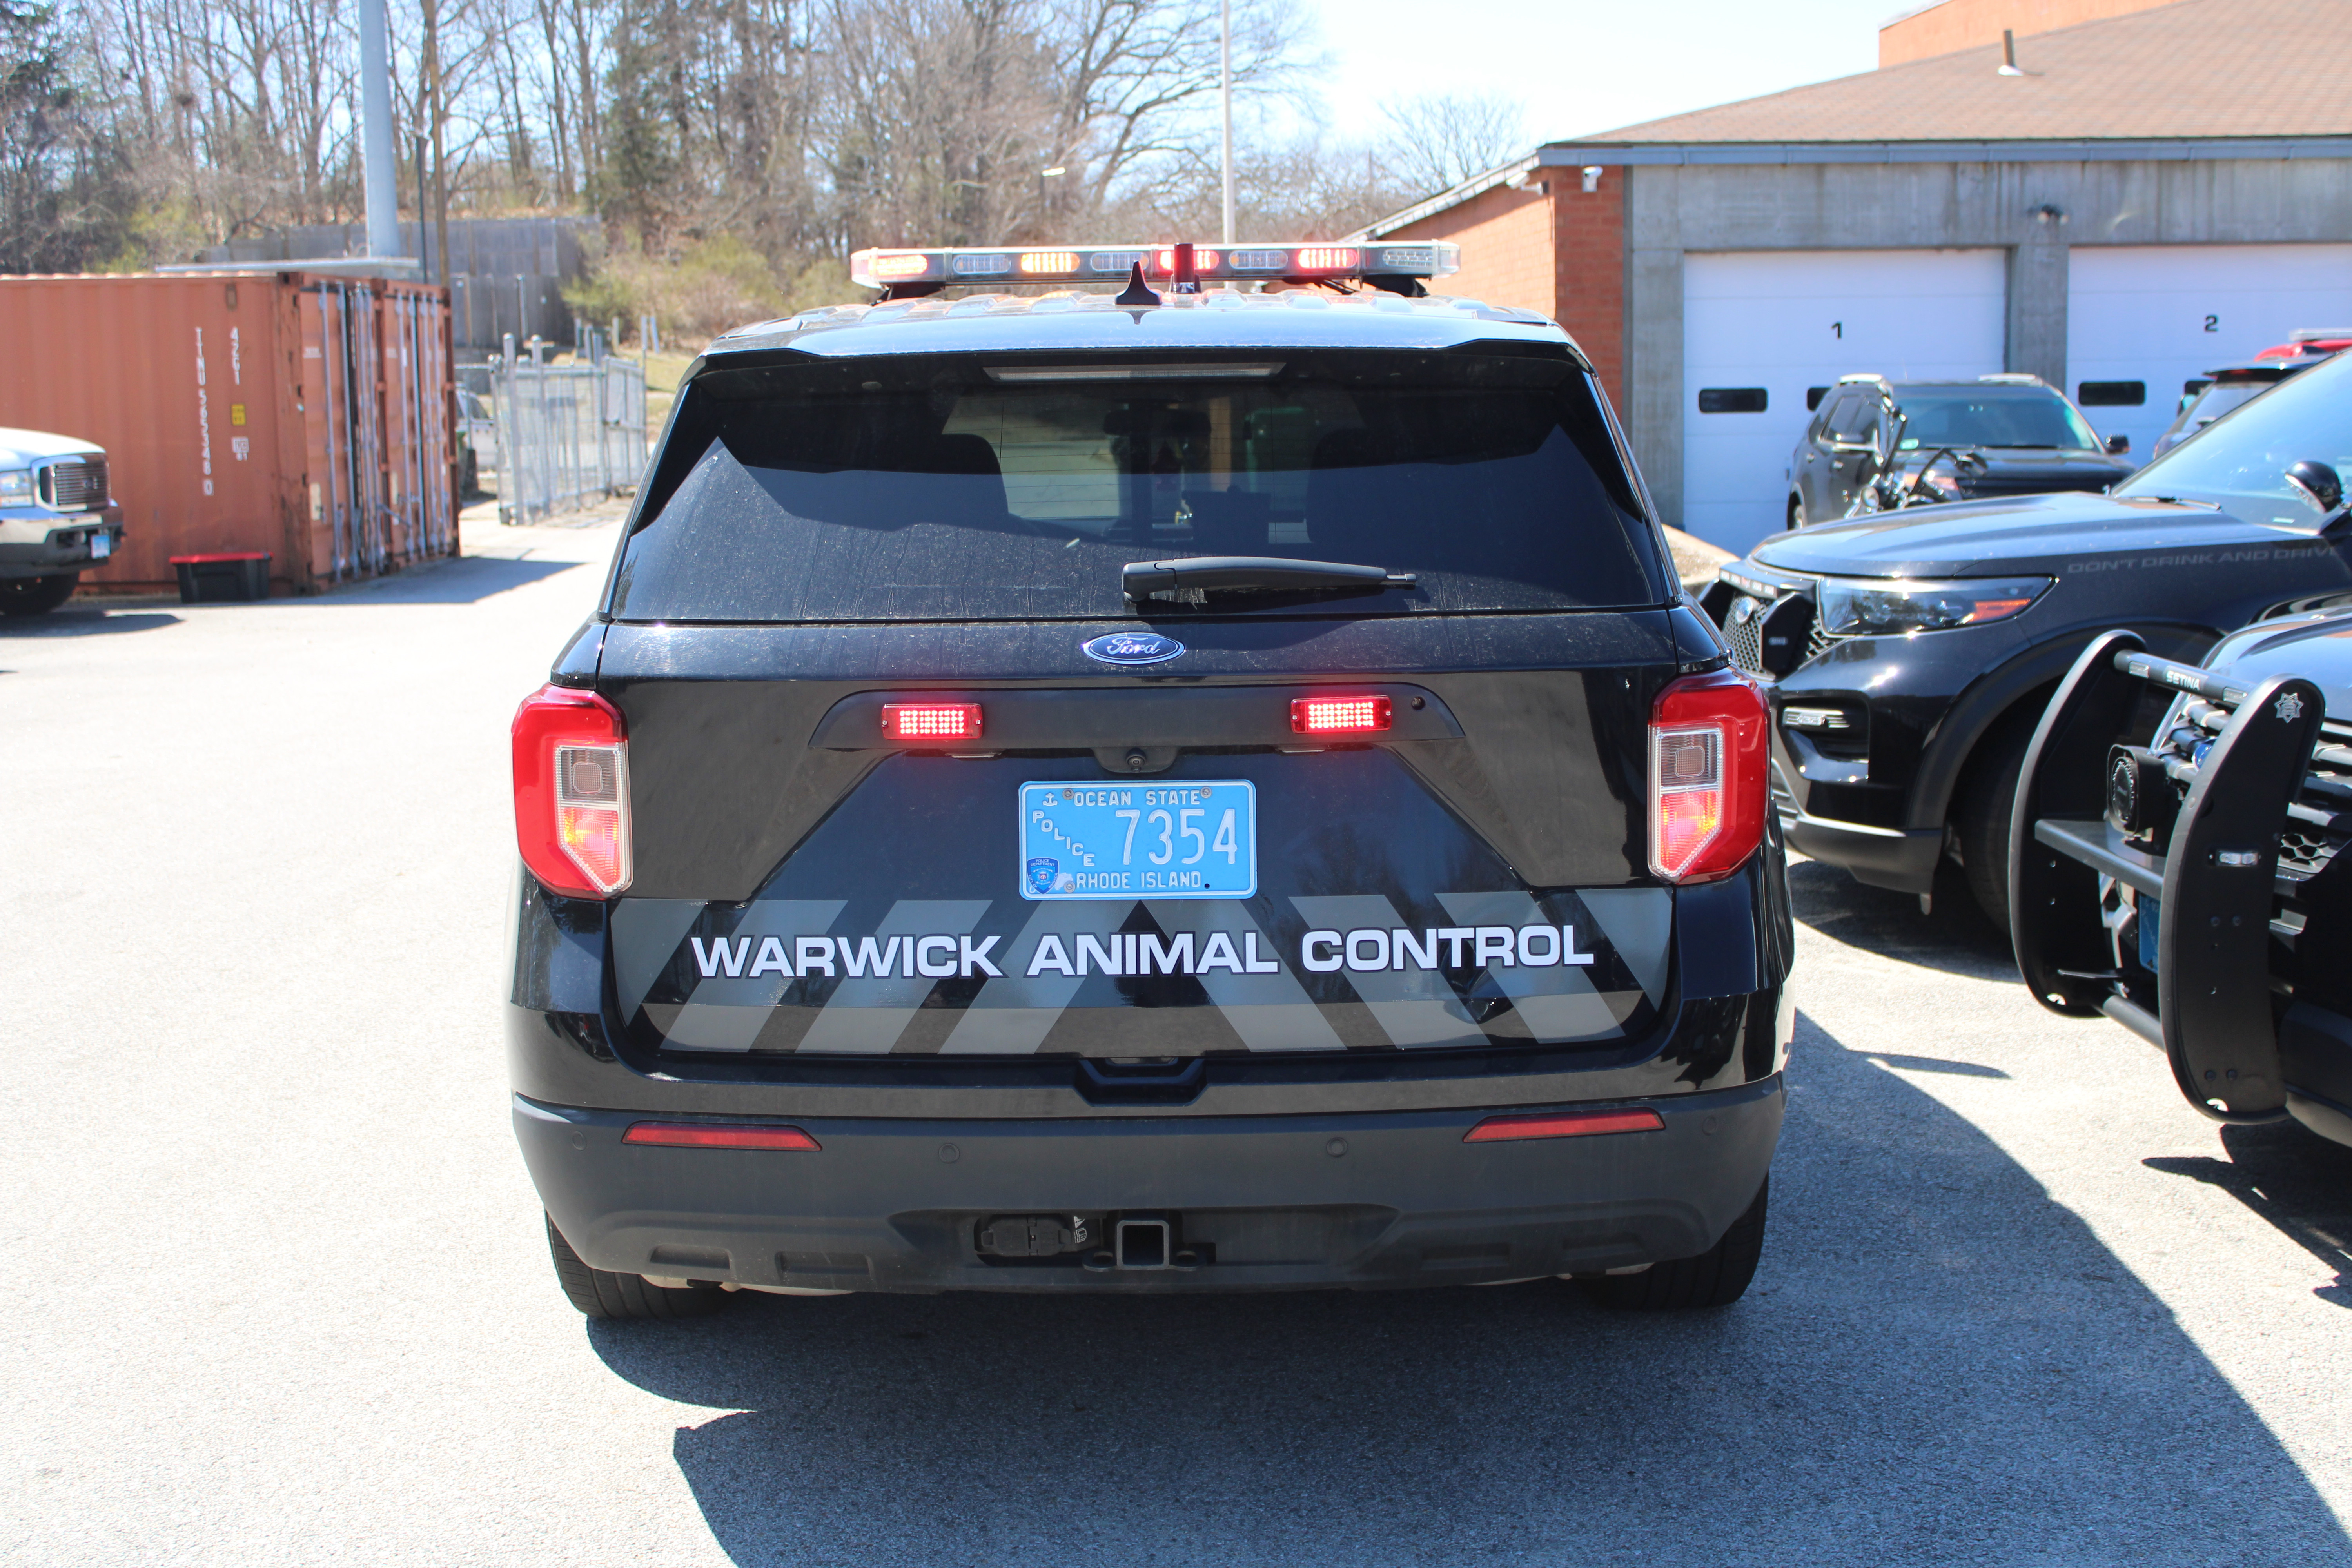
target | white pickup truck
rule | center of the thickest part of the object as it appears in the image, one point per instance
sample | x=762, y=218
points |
x=57, y=519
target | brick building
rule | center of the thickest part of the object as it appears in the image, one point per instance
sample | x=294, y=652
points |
x=2145, y=192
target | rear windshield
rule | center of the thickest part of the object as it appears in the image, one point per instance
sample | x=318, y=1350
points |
x=1991, y=416
x=948, y=488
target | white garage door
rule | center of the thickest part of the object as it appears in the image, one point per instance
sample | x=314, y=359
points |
x=1762, y=326
x=2143, y=319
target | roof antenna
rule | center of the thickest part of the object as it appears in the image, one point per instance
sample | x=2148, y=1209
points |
x=2009, y=53
x=1136, y=295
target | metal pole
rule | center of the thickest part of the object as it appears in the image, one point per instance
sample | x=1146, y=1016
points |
x=424, y=251
x=1225, y=104
x=378, y=170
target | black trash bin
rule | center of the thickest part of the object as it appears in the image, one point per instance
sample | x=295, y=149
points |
x=227, y=576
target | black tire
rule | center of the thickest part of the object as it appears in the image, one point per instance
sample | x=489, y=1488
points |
x=1715, y=1277
x=1980, y=815
x=470, y=482
x=36, y=596
x=601, y=1295
x=1796, y=512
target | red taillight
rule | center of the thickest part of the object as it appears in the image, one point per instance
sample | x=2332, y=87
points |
x=1337, y=715
x=932, y=720
x=571, y=791
x=717, y=1135
x=1564, y=1124
x=1707, y=791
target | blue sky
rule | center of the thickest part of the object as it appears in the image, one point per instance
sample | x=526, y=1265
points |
x=1584, y=67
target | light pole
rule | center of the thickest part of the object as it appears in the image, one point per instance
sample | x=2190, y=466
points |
x=1225, y=104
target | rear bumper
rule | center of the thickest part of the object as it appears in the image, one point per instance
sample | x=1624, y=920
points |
x=1268, y=1202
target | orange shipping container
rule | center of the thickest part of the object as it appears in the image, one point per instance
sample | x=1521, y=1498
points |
x=304, y=413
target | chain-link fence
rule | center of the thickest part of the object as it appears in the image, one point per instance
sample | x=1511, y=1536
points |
x=568, y=434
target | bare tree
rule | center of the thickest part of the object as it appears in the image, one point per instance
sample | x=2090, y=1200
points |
x=1435, y=142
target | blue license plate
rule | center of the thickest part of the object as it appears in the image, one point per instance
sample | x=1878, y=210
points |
x=1191, y=838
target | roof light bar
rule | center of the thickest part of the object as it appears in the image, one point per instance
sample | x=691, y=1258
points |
x=881, y=269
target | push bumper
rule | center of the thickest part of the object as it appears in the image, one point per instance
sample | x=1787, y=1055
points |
x=2173, y=929
x=1258, y=1203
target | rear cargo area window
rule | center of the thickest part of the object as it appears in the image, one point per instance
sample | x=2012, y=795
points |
x=947, y=488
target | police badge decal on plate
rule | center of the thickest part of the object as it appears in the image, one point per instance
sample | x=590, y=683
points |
x=1185, y=838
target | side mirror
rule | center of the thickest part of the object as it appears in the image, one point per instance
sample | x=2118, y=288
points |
x=2119, y=445
x=2318, y=481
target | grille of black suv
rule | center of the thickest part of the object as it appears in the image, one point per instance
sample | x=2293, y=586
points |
x=1746, y=633
x=78, y=486
x=2307, y=847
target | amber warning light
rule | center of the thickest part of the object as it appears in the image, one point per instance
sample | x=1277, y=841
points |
x=1338, y=715
x=932, y=720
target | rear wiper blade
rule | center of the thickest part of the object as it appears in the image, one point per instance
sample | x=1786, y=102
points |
x=1253, y=574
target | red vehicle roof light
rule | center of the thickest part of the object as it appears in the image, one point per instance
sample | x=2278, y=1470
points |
x=720, y=1135
x=1565, y=1124
x=1339, y=715
x=932, y=720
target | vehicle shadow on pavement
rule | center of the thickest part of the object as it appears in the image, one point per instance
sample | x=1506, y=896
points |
x=74, y=620
x=2298, y=1181
x=1937, y=1364
x=466, y=580
x=1955, y=939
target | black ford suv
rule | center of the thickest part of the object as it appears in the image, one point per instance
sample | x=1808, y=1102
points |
x=2008, y=435
x=1193, y=791
x=1909, y=656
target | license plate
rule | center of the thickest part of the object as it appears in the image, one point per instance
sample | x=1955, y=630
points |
x=1190, y=838
x=102, y=545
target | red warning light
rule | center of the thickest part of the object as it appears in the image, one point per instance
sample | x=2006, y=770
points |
x=932, y=720
x=1338, y=715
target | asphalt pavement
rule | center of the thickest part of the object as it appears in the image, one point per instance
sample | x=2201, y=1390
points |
x=281, y=1295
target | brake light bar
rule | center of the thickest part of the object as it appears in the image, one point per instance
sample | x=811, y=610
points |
x=882, y=268
x=1708, y=788
x=932, y=720
x=1564, y=1124
x=720, y=1135
x=572, y=793
x=1339, y=715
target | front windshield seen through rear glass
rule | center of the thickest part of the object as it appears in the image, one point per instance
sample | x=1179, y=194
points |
x=2239, y=461
x=953, y=488
x=1991, y=416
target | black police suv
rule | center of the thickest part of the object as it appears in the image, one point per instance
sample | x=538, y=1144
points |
x=2224, y=387
x=2005, y=435
x=2194, y=888
x=1208, y=790
x=1909, y=656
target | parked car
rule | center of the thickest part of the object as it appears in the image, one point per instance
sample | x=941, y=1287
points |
x=56, y=518
x=2194, y=887
x=477, y=434
x=2008, y=435
x=1053, y=799
x=1909, y=656
x=2225, y=387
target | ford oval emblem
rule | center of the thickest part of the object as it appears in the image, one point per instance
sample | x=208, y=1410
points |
x=1132, y=647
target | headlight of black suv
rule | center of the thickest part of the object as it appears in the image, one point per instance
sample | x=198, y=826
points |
x=1893, y=606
